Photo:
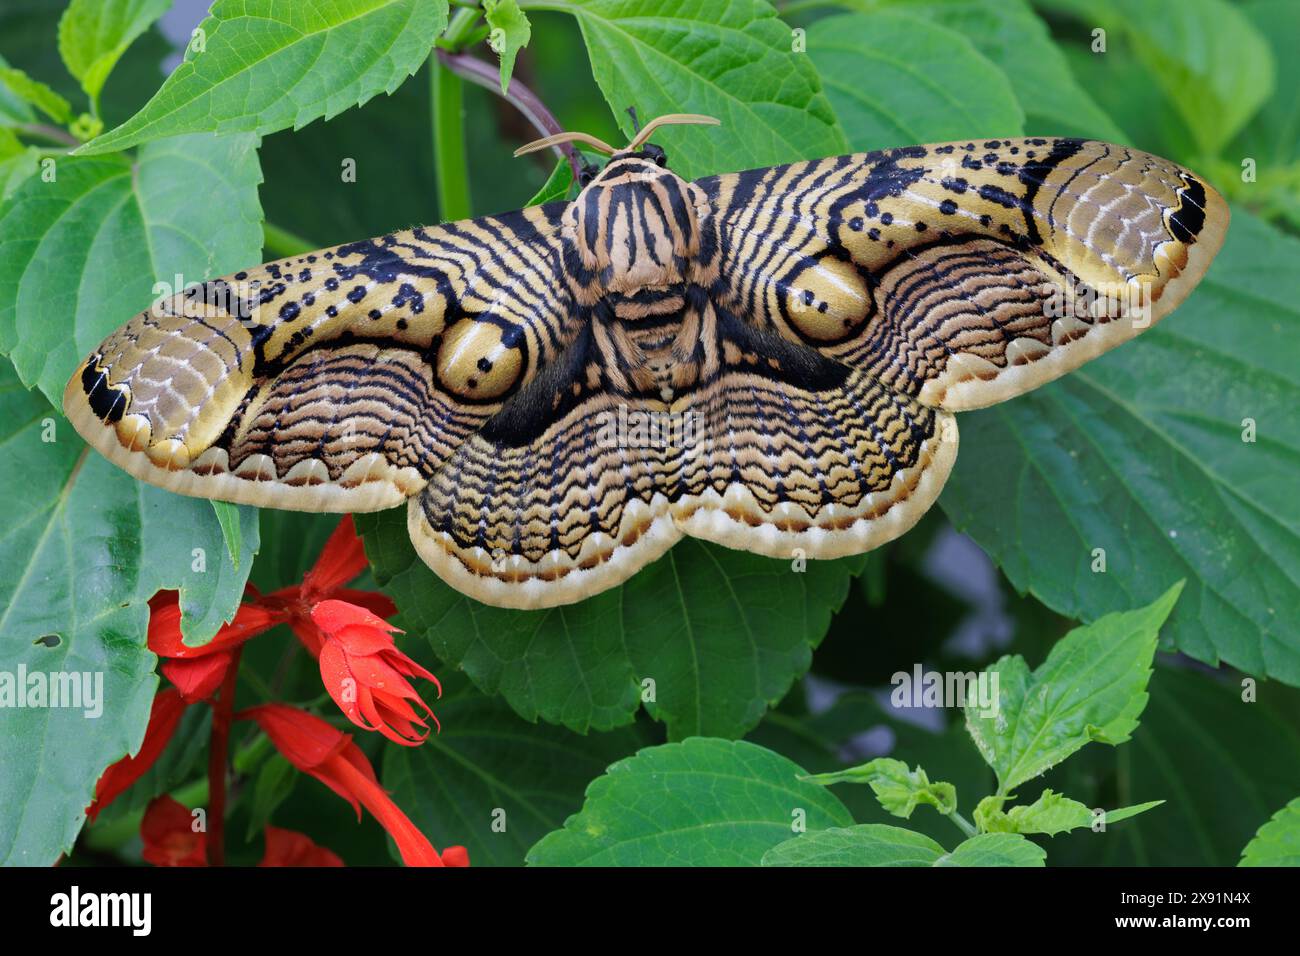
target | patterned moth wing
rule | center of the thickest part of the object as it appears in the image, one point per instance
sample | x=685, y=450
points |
x=966, y=273
x=934, y=279
x=335, y=381
x=770, y=359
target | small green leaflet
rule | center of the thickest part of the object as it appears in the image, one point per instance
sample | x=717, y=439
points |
x=511, y=32
x=93, y=35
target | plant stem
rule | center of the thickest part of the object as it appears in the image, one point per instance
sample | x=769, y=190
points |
x=51, y=133
x=218, y=754
x=281, y=243
x=964, y=825
x=521, y=97
x=450, y=167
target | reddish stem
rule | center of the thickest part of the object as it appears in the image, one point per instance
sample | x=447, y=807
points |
x=218, y=757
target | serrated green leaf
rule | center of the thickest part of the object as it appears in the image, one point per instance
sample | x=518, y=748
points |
x=1127, y=455
x=80, y=255
x=995, y=849
x=494, y=783
x=928, y=83
x=701, y=802
x=707, y=638
x=93, y=35
x=89, y=546
x=733, y=61
x=1092, y=687
x=899, y=789
x=272, y=64
x=511, y=32
x=868, y=844
x=36, y=93
x=875, y=844
x=1051, y=813
x=1278, y=842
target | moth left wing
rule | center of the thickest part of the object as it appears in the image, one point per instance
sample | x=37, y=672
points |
x=549, y=503
x=963, y=274
x=334, y=381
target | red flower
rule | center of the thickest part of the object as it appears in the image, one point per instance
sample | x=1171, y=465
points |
x=329, y=755
x=163, y=718
x=169, y=835
x=197, y=672
x=287, y=848
x=366, y=674
x=455, y=856
x=341, y=560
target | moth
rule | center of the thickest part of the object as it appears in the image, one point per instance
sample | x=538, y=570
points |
x=816, y=324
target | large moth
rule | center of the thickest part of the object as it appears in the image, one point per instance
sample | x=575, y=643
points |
x=802, y=335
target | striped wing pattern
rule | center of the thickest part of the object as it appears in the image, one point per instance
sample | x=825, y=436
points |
x=798, y=339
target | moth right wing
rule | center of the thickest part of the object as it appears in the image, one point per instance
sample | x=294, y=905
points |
x=334, y=381
x=963, y=274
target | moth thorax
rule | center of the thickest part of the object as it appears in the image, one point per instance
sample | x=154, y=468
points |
x=636, y=226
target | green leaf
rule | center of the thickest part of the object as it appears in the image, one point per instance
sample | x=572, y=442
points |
x=927, y=83
x=995, y=849
x=1011, y=35
x=1051, y=813
x=80, y=255
x=557, y=184
x=93, y=35
x=1127, y=455
x=14, y=110
x=493, y=783
x=1225, y=760
x=706, y=638
x=898, y=789
x=271, y=64
x=868, y=844
x=275, y=780
x=875, y=844
x=511, y=32
x=36, y=93
x=1092, y=687
x=1273, y=137
x=733, y=61
x=701, y=802
x=88, y=546
x=228, y=516
x=1278, y=842
x=1207, y=57
x=17, y=162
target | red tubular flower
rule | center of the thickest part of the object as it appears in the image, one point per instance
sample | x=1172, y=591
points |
x=169, y=836
x=197, y=672
x=366, y=674
x=341, y=560
x=329, y=755
x=455, y=856
x=288, y=848
x=164, y=716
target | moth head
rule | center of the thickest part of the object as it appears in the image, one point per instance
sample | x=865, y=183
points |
x=635, y=223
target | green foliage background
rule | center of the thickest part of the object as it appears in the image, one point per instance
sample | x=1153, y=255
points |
x=1140, y=453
